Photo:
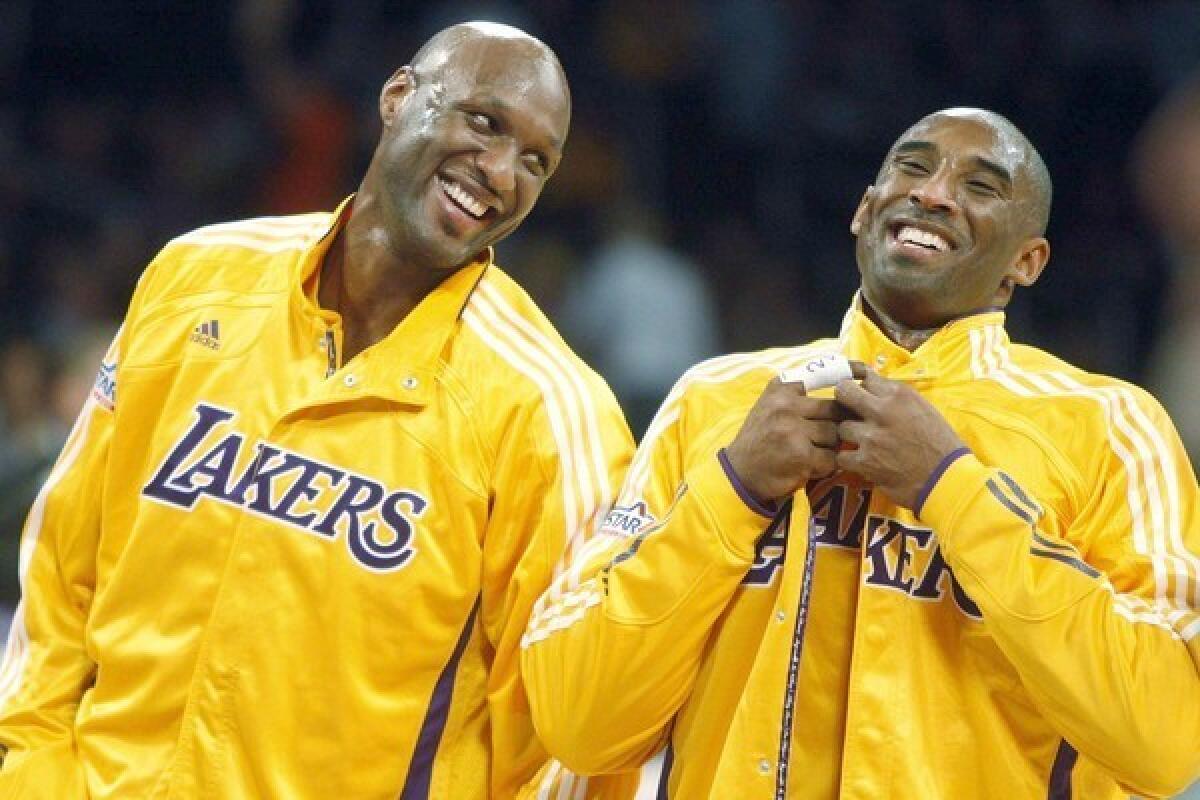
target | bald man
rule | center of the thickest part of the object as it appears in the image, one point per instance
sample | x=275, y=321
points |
x=328, y=465
x=922, y=562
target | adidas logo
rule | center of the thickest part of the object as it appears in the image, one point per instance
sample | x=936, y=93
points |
x=207, y=334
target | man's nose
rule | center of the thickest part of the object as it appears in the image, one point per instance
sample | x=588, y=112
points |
x=497, y=161
x=935, y=193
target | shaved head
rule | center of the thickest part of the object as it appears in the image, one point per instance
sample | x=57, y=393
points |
x=473, y=128
x=955, y=220
x=446, y=47
x=1039, y=189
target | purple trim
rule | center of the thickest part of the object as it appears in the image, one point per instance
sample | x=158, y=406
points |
x=750, y=500
x=664, y=777
x=936, y=475
x=1060, y=773
x=793, y=677
x=420, y=768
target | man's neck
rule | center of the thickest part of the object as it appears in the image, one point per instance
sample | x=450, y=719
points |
x=908, y=338
x=364, y=281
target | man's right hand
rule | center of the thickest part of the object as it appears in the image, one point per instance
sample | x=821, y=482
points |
x=786, y=440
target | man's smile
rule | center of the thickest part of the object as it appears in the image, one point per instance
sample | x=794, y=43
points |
x=919, y=240
x=462, y=198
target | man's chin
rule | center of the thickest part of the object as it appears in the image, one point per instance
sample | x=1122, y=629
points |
x=901, y=288
x=932, y=264
x=450, y=252
x=908, y=278
x=454, y=249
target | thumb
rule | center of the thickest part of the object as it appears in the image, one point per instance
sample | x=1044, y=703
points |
x=854, y=397
x=873, y=382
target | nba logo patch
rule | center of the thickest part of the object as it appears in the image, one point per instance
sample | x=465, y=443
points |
x=105, y=389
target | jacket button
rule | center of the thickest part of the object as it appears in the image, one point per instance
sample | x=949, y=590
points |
x=410, y=382
x=349, y=380
x=764, y=767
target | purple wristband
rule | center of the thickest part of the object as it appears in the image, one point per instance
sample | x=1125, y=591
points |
x=936, y=475
x=739, y=487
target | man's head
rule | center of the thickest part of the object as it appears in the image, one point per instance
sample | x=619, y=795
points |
x=472, y=129
x=955, y=221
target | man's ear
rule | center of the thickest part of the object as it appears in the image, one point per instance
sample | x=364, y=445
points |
x=860, y=214
x=1024, y=270
x=1032, y=260
x=394, y=91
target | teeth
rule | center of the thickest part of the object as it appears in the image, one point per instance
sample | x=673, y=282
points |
x=911, y=235
x=460, y=196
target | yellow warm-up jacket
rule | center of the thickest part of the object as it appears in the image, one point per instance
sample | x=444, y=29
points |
x=1031, y=633
x=257, y=571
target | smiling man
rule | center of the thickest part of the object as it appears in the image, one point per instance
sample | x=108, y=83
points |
x=330, y=461
x=973, y=574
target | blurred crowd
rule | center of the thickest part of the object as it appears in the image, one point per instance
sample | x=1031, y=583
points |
x=717, y=152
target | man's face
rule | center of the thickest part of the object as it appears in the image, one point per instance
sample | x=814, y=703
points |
x=467, y=149
x=941, y=231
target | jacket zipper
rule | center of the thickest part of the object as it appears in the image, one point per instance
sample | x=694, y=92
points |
x=793, y=677
x=330, y=353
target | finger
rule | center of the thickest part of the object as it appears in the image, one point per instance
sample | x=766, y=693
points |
x=791, y=389
x=818, y=408
x=819, y=372
x=849, y=461
x=851, y=431
x=875, y=383
x=842, y=414
x=823, y=464
x=796, y=387
x=772, y=383
x=823, y=434
x=858, y=369
x=856, y=398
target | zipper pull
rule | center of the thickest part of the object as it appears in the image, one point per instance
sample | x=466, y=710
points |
x=330, y=353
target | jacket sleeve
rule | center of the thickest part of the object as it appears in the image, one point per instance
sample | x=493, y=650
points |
x=1107, y=640
x=46, y=668
x=614, y=645
x=558, y=469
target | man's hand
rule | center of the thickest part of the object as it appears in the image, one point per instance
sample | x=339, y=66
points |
x=787, y=439
x=901, y=438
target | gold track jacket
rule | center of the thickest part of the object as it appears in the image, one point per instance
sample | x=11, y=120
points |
x=257, y=571
x=1033, y=633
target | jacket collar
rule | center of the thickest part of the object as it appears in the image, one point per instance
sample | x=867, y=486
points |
x=965, y=349
x=405, y=363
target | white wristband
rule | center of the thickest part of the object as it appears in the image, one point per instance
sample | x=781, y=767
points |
x=819, y=372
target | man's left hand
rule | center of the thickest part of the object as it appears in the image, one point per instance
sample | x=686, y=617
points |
x=901, y=438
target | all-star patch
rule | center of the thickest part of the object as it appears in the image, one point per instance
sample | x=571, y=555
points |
x=105, y=388
x=631, y=520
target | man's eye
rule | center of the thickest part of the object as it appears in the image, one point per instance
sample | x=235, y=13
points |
x=982, y=187
x=537, y=164
x=912, y=167
x=482, y=121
